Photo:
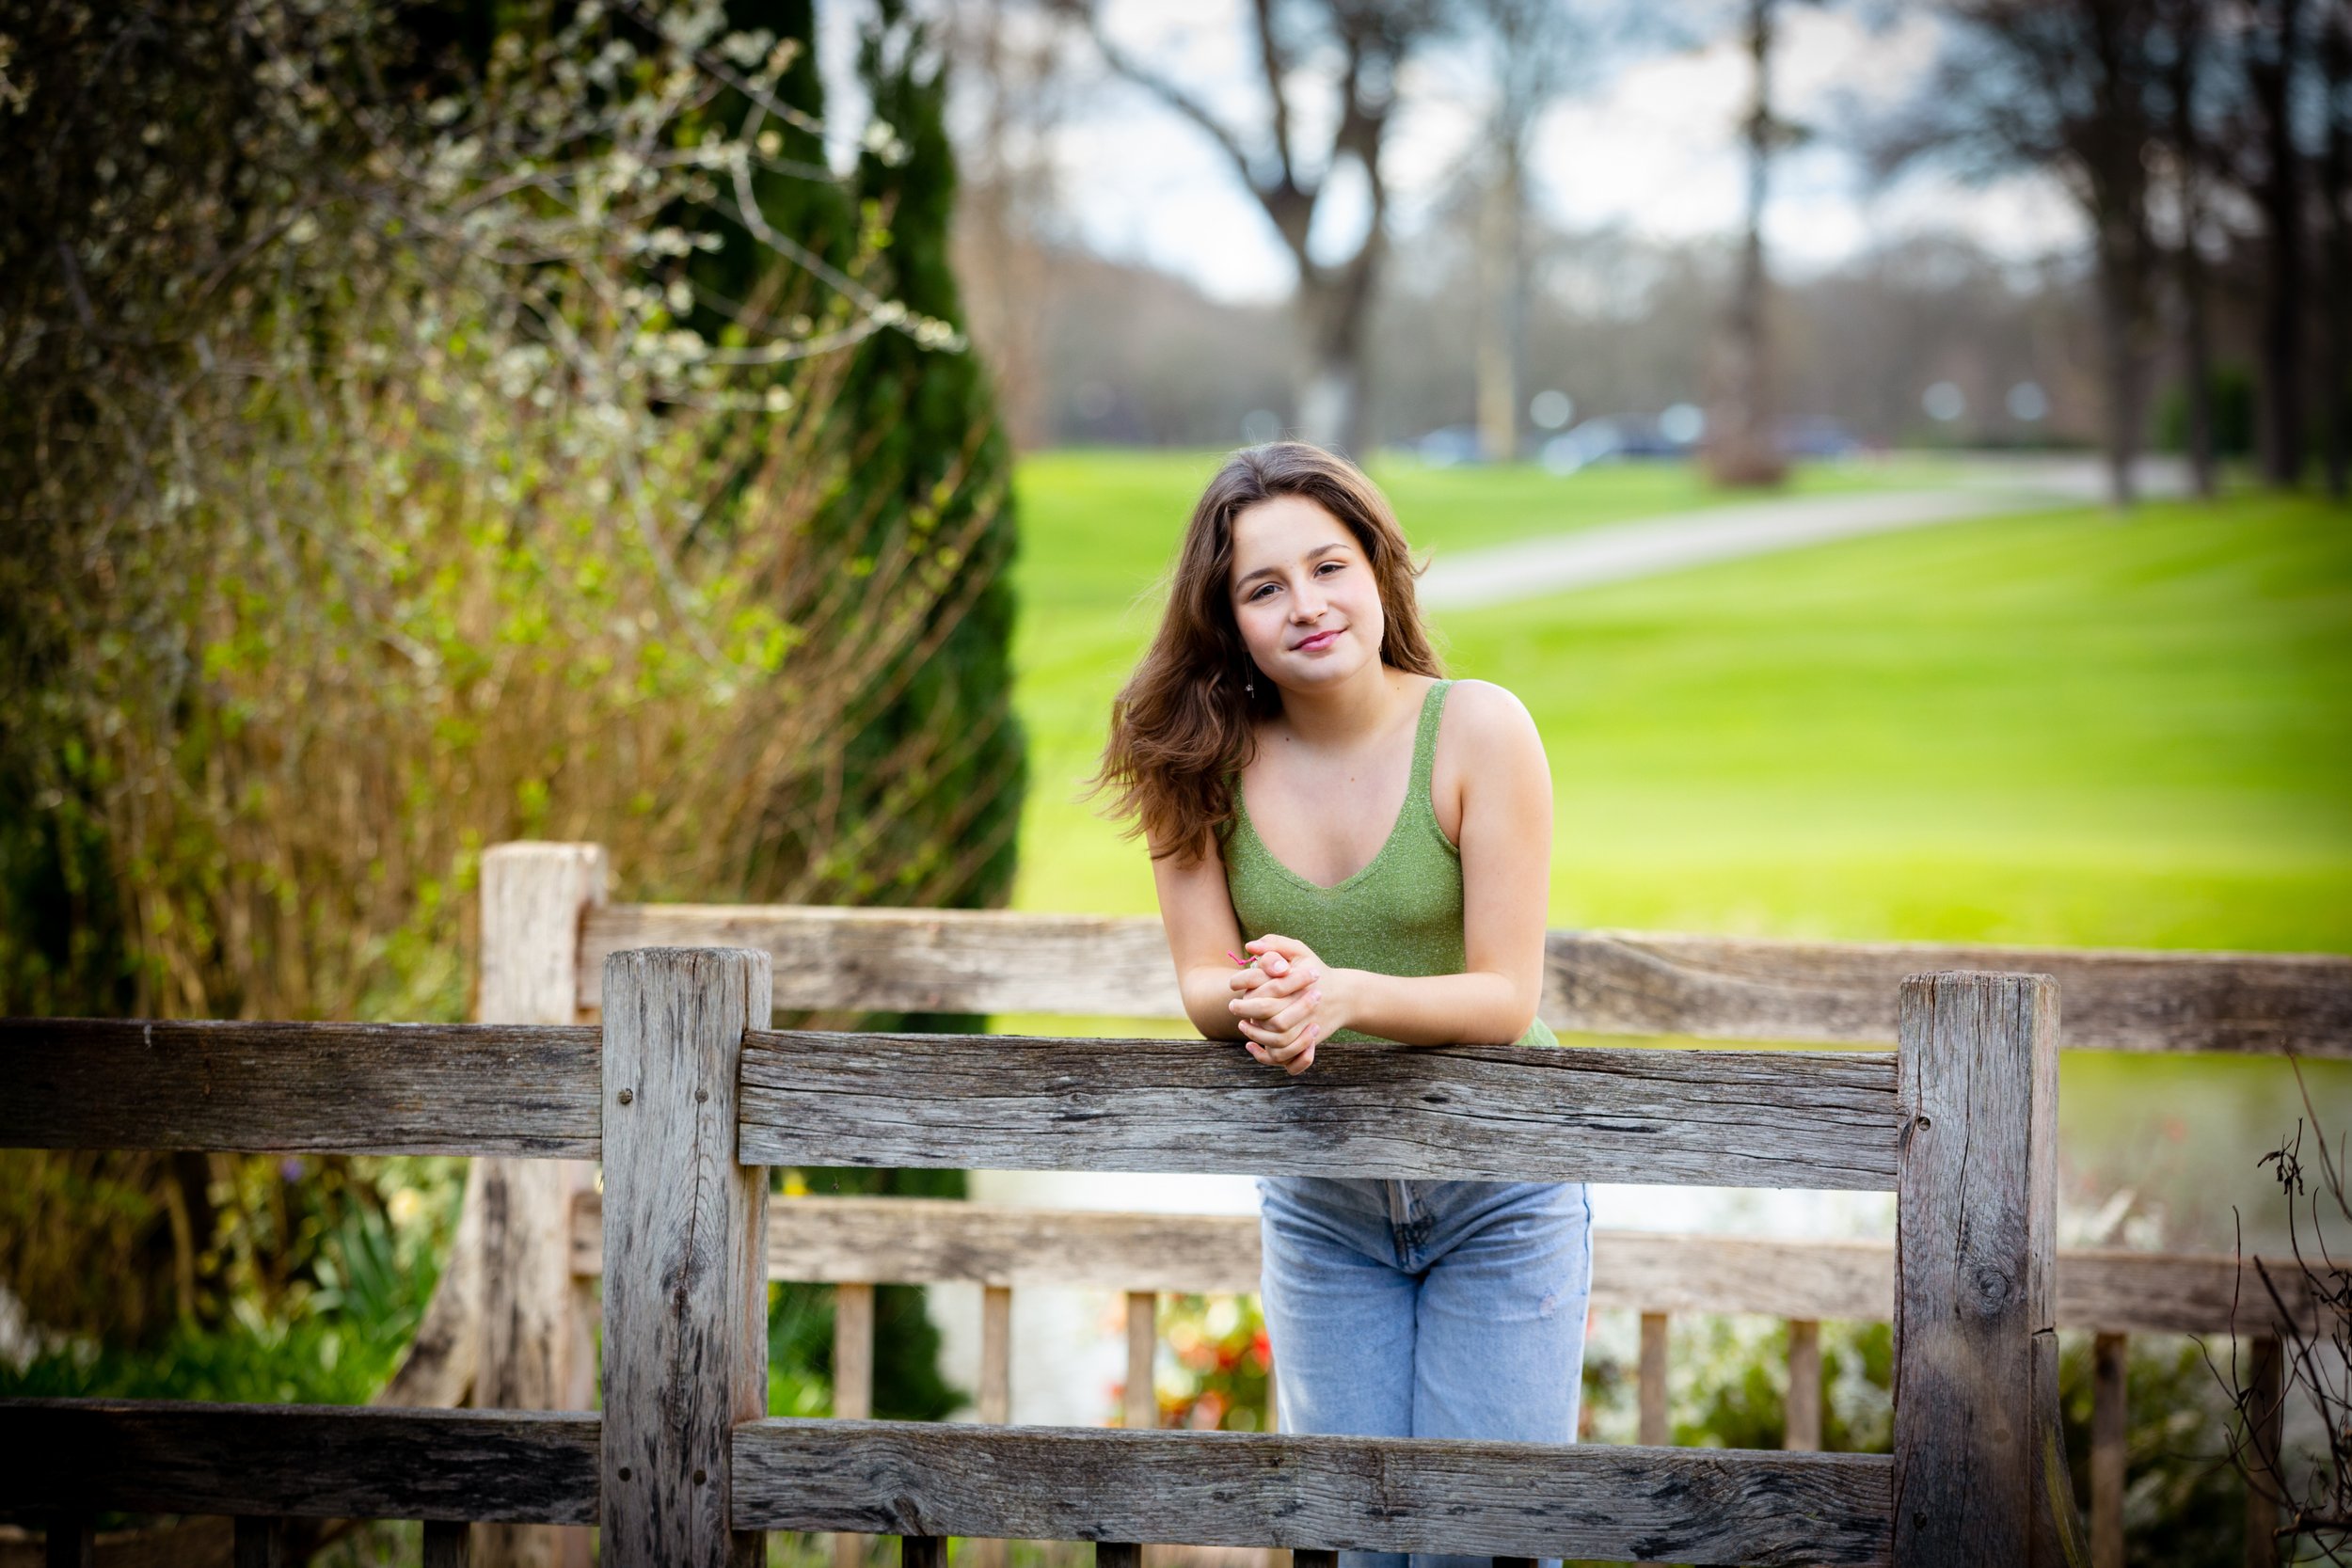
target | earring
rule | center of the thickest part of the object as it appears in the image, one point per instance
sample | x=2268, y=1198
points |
x=1249, y=685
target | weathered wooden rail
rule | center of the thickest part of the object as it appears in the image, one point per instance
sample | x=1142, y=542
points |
x=515, y=1319
x=692, y=1097
x=1597, y=982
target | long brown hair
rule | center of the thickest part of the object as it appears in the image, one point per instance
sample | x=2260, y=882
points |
x=1183, y=726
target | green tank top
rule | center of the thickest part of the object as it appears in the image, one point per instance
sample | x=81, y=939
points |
x=1401, y=914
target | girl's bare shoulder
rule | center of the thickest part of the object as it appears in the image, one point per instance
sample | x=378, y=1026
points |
x=1487, y=715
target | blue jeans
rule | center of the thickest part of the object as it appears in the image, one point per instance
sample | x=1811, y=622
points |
x=1426, y=1309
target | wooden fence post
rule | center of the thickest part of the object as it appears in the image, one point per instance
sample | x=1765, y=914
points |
x=2265, y=1413
x=1654, y=1430
x=685, y=1256
x=1140, y=1403
x=1980, y=1468
x=853, y=1383
x=1803, y=1428
x=2110, y=1353
x=535, y=1352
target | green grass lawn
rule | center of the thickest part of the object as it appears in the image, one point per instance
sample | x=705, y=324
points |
x=2059, y=728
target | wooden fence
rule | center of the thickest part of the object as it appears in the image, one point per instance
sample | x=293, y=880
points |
x=1596, y=982
x=516, y=1317
x=685, y=1097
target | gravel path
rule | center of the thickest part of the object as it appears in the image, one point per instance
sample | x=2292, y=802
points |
x=1612, y=552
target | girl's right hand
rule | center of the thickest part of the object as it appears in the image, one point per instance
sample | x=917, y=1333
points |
x=1262, y=988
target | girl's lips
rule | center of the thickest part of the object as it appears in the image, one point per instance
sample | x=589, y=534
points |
x=1320, y=639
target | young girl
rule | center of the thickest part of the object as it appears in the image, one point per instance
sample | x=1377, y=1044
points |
x=1349, y=847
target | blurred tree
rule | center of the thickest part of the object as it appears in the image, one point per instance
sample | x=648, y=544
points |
x=1355, y=51
x=2335, y=186
x=1012, y=68
x=1743, y=444
x=2183, y=27
x=2273, y=51
x=2073, y=87
x=1534, y=49
x=370, y=497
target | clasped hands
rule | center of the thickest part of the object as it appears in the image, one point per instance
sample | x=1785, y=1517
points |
x=1285, y=1003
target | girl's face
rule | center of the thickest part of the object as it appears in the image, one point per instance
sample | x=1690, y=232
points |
x=1303, y=593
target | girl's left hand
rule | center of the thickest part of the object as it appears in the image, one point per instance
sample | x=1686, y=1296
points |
x=1284, y=1004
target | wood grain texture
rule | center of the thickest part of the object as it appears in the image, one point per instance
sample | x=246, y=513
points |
x=1662, y=1272
x=852, y=1371
x=353, y=1088
x=535, y=1352
x=918, y=1240
x=853, y=1347
x=1652, y=1429
x=1239, y=1489
x=996, y=1392
x=1731, y=988
x=919, y=961
x=309, y=1461
x=685, y=1252
x=1600, y=982
x=1823, y=1119
x=1976, y=1344
x=1804, y=1424
x=2109, y=1428
x=1139, y=1401
x=2266, y=1428
x=994, y=1403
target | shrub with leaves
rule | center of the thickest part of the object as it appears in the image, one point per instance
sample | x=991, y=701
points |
x=371, y=498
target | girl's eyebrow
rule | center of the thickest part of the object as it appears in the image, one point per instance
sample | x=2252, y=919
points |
x=1268, y=571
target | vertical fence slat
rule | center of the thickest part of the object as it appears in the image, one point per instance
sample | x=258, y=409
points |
x=533, y=1354
x=1118, y=1554
x=995, y=1404
x=1805, y=1385
x=1142, y=1401
x=922, y=1551
x=996, y=1401
x=685, y=1256
x=2265, y=1413
x=1980, y=1469
x=1305, y=1558
x=853, y=1383
x=260, y=1542
x=444, y=1545
x=1653, y=1430
x=72, y=1541
x=2110, y=1412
